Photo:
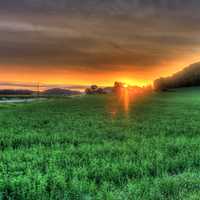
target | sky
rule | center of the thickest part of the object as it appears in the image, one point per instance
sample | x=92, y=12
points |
x=82, y=42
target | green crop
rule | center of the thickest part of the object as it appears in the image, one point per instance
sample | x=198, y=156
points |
x=89, y=148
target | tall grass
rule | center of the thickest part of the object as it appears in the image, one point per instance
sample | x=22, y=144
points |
x=76, y=149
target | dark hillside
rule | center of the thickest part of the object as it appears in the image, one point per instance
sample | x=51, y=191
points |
x=188, y=77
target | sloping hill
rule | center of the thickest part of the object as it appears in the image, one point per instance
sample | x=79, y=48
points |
x=188, y=77
x=59, y=91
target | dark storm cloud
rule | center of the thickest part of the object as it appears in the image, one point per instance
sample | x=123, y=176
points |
x=115, y=6
x=97, y=34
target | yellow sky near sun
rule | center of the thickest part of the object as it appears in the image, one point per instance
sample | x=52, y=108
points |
x=135, y=76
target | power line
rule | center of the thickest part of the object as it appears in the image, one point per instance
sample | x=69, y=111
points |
x=38, y=89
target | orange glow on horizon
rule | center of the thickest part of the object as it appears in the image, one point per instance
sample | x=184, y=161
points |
x=53, y=75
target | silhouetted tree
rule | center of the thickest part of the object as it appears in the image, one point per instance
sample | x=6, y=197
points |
x=118, y=86
x=94, y=89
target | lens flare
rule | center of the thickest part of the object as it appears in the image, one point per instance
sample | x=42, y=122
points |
x=125, y=85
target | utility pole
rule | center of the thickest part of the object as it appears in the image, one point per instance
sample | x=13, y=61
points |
x=38, y=89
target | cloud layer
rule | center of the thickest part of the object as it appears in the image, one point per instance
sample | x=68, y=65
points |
x=97, y=35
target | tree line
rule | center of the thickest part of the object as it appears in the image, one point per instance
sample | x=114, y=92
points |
x=188, y=77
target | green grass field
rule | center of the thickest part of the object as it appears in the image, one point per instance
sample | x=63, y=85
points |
x=80, y=148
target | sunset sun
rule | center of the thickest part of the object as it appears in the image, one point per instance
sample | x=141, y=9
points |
x=125, y=85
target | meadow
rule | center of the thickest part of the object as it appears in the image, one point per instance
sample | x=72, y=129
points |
x=91, y=148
